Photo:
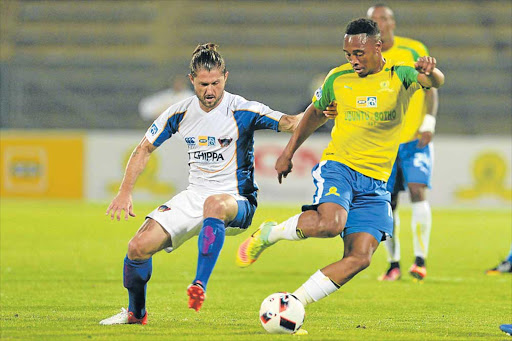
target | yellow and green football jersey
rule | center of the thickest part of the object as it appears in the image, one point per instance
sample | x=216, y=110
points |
x=409, y=50
x=371, y=109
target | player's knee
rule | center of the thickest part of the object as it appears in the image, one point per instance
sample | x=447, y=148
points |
x=364, y=262
x=361, y=261
x=329, y=228
x=216, y=207
x=136, y=250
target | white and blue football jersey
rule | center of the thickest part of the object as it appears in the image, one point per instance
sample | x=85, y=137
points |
x=220, y=142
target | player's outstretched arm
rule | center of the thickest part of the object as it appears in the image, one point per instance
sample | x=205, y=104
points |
x=289, y=123
x=136, y=164
x=430, y=76
x=313, y=118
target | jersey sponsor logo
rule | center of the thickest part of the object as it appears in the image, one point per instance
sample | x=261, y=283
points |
x=153, y=129
x=225, y=141
x=383, y=116
x=190, y=141
x=366, y=102
x=357, y=116
x=206, y=156
x=206, y=140
x=318, y=93
x=378, y=116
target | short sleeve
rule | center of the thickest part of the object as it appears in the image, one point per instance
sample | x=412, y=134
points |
x=407, y=75
x=263, y=117
x=164, y=127
x=324, y=95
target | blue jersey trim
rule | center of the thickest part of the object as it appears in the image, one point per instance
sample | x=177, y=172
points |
x=247, y=122
x=171, y=127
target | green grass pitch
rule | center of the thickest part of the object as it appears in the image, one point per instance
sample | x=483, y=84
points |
x=61, y=273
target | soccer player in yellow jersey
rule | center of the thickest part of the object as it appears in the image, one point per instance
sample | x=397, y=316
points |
x=414, y=162
x=351, y=199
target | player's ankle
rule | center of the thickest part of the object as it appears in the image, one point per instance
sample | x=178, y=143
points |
x=419, y=261
x=198, y=283
x=394, y=265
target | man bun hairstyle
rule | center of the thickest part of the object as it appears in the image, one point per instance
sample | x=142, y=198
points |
x=206, y=57
x=363, y=26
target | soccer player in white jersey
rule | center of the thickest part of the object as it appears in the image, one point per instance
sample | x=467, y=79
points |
x=218, y=128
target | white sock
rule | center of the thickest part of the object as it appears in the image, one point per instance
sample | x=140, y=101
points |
x=421, y=226
x=315, y=288
x=286, y=230
x=393, y=244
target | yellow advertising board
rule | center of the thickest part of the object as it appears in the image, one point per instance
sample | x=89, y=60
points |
x=41, y=164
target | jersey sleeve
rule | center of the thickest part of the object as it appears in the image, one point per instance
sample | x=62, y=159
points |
x=263, y=116
x=407, y=75
x=164, y=126
x=324, y=95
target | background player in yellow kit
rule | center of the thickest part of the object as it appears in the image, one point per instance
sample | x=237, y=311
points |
x=414, y=162
x=351, y=199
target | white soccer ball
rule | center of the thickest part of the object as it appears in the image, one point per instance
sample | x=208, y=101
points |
x=282, y=313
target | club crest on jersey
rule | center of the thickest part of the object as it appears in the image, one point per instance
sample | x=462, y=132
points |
x=153, y=129
x=366, y=102
x=225, y=141
x=318, y=93
x=384, y=87
x=384, y=84
x=163, y=208
x=206, y=140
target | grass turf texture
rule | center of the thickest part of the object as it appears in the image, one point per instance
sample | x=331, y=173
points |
x=61, y=273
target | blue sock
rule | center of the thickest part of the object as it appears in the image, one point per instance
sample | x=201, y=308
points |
x=135, y=276
x=509, y=258
x=211, y=239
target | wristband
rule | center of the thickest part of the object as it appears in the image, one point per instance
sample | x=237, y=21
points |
x=429, y=124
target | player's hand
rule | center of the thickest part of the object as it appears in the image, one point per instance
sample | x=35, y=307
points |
x=122, y=202
x=330, y=111
x=425, y=65
x=425, y=138
x=283, y=166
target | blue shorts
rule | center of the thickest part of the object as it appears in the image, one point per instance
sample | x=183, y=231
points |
x=412, y=165
x=244, y=216
x=365, y=199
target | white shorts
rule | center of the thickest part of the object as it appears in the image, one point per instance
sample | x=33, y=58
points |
x=182, y=217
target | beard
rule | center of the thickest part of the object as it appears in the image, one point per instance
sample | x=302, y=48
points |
x=209, y=104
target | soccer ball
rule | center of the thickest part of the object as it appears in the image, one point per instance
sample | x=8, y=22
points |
x=282, y=313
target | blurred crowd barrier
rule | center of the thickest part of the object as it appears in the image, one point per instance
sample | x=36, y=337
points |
x=468, y=171
x=87, y=64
